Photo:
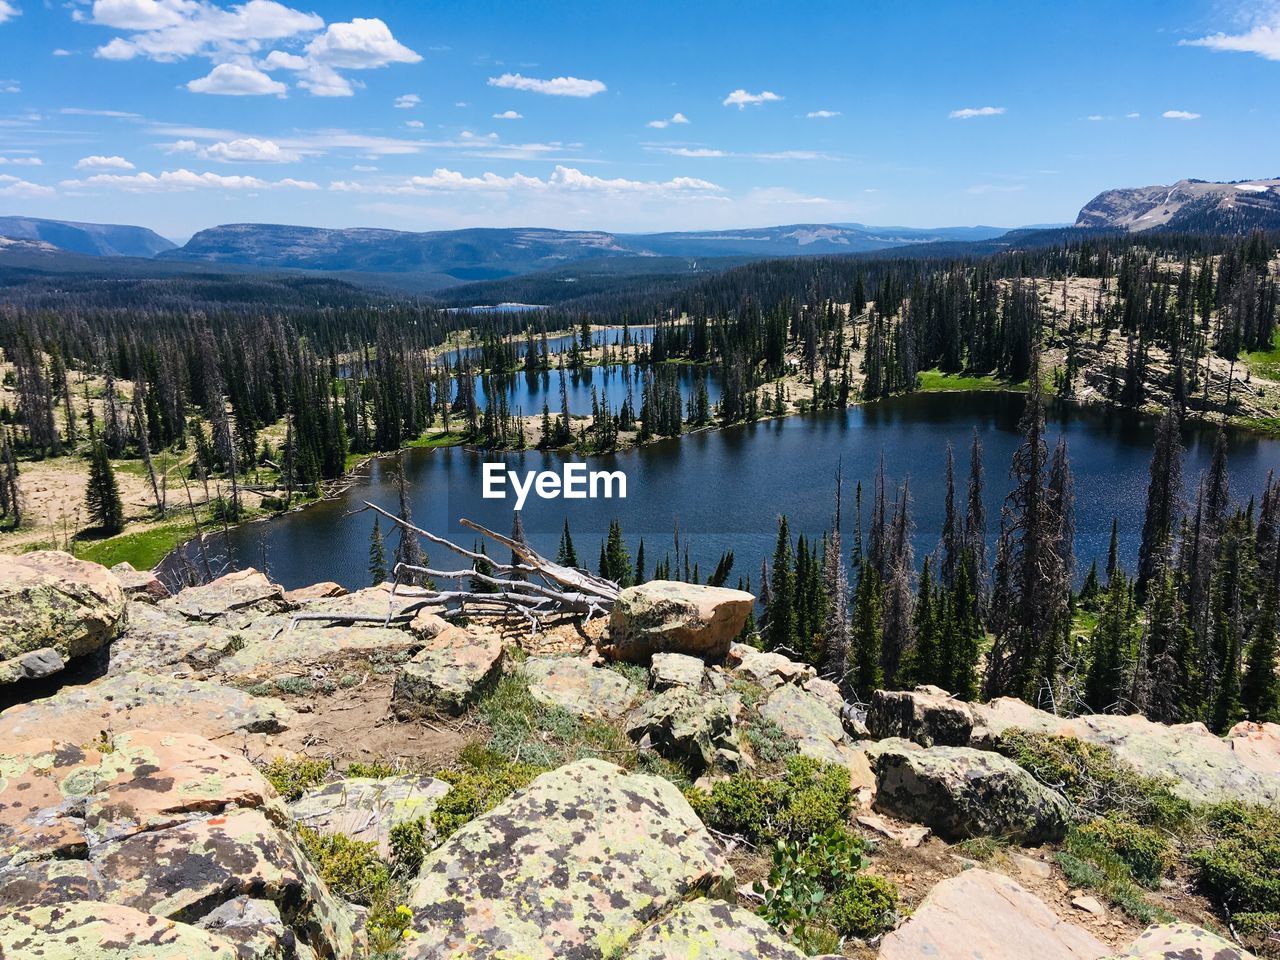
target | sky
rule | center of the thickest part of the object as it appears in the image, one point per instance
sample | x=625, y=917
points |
x=623, y=116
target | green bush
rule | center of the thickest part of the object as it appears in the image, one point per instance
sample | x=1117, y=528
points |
x=1147, y=853
x=377, y=769
x=292, y=778
x=408, y=842
x=476, y=790
x=865, y=907
x=1089, y=861
x=817, y=794
x=350, y=868
x=1239, y=869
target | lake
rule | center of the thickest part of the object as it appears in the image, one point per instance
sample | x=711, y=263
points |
x=528, y=390
x=726, y=488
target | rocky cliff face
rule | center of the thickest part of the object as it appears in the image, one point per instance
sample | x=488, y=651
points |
x=1187, y=205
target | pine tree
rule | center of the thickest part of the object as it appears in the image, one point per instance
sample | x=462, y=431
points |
x=925, y=663
x=1260, y=690
x=408, y=549
x=102, y=494
x=639, y=576
x=866, y=676
x=377, y=555
x=780, y=631
x=1111, y=649
x=566, y=556
x=1164, y=490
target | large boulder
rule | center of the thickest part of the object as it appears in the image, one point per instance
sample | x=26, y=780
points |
x=160, y=641
x=663, y=616
x=53, y=608
x=1182, y=941
x=575, y=685
x=575, y=865
x=141, y=585
x=980, y=915
x=1204, y=768
x=816, y=728
x=682, y=724
x=448, y=674
x=927, y=715
x=270, y=646
x=138, y=700
x=368, y=808
x=667, y=670
x=104, y=931
x=710, y=930
x=960, y=792
x=1257, y=746
x=235, y=592
x=767, y=668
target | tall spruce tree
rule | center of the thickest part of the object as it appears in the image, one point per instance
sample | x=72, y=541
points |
x=102, y=493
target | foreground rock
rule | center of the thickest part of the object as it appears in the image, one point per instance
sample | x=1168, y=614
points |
x=711, y=930
x=980, y=915
x=663, y=616
x=141, y=585
x=928, y=716
x=368, y=809
x=53, y=608
x=1182, y=941
x=244, y=590
x=686, y=726
x=575, y=865
x=109, y=931
x=448, y=674
x=960, y=793
x=574, y=685
x=809, y=720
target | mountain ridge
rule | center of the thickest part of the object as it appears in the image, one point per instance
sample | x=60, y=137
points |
x=1197, y=205
x=94, y=239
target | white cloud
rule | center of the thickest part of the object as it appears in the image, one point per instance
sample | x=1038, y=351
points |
x=21, y=161
x=562, y=180
x=10, y=86
x=1263, y=40
x=249, y=149
x=1132, y=116
x=415, y=124
x=508, y=115
x=362, y=44
x=663, y=124
x=555, y=87
x=822, y=114
x=16, y=187
x=708, y=153
x=59, y=52
x=8, y=11
x=407, y=101
x=741, y=99
x=183, y=179
x=968, y=113
x=364, y=168
x=1096, y=117
x=234, y=80
x=114, y=114
x=103, y=163
x=1180, y=115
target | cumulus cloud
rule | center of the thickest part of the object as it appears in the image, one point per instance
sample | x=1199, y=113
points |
x=17, y=187
x=1180, y=115
x=415, y=124
x=1263, y=40
x=21, y=161
x=182, y=180
x=562, y=180
x=234, y=80
x=555, y=87
x=8, y=11
x=968, y=113
x=508, y=115
x=741, y=98
x=822, y=114
x=249, y=150
x=676, y=118
x=103, y=163
x=60, y=52
x=407, y=101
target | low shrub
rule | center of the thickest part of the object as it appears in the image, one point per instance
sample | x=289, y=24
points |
x=408, y=842
x=376, y=769
x=476, y=790
x=866, y=907
x=292, y=778
x=350, y=868
x=1147, y=852
x=1239, y=867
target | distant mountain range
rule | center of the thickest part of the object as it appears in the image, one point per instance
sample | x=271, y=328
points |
x=95, y=239
x=1187, y=205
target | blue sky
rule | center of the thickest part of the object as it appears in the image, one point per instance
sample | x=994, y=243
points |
x=182, y=114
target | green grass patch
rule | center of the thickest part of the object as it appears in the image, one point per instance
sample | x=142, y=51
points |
x=429, y=441
x=1265, y=363
x=144, y=549
x=934, y=381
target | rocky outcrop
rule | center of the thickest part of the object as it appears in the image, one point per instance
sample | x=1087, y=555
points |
x=169, y=827
x=141, y=585
x=817, y=731
x=448, y=674
x=667, y=670
x=683, y=725
x=766, y=668
x=111, y=932
x=242, y=590
x=1182, y=941
x=53, y=608
x=929, y=716
x=575, y=685
x=987, y=915
x=367, y=808
x=663, y=616
x=575, y=865
x=960, y=793
x=710, y=930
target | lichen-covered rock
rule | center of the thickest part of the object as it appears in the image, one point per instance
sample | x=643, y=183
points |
x=90, y=930
x=573, y=684
x=448, y=674
x=1204, y=768
x=667, y=670
x=710, y=930
x=1182, y=941
x=663, y=616
x=316, y=591
x=927, y=715
x=367, y=809
x=270, y=644
x=240, y=590
x=137, y=700
x=141, y=585
x=55, y=606
x=254, y=926
x=817, y=731
x=980, y=914
x=1257, y=746
x=684, y=725
x=574, y=865
x=47, y=882
x=960, y=793
x=162, y=641
x=766, y=668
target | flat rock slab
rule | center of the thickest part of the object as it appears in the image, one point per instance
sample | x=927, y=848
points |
x=139, y=584
x=664, y=616
x=448, y=674
x=49, y=600
x=78, y=714
x=1257, y=746
x=575, y=865
x=272, y=644
x=710, y=930
x=960, y=793
x=1182, y=941
x=245, y=589
x=668, y=670
x=160, y=641
x=104, y=931
x=574, y=685
x=366, y=809
x=47, y=883
x=809, y=720
x=980, y=915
